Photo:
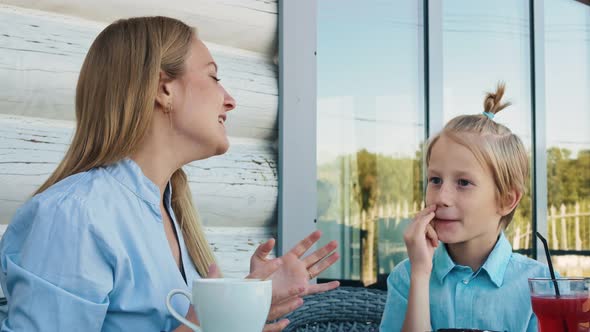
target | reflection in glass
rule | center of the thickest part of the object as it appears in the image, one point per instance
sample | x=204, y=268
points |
x=370, y=128
x=567, y=56
x=485, y=42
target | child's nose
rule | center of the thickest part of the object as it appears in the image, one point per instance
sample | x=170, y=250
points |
x=445, y=196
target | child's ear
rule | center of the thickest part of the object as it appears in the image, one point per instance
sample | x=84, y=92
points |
x=509, y=202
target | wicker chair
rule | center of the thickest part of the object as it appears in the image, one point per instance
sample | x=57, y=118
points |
x=345, y=309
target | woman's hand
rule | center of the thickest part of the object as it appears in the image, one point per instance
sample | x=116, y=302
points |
x=291, y=274
x=421, y=240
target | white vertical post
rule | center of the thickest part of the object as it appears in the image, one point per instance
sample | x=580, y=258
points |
x=434, y=53
x=398, y=213
x=297, y=114
x=528, y=235
x=406, y=210
x=539, y=116
x=577, y=221
x=564, y=244
x=553, y=217
x=516, y=239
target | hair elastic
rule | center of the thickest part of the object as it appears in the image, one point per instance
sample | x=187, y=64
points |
x=489, y=115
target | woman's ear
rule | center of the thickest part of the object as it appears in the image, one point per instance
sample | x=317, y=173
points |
x=164, y=93
x=509, y=202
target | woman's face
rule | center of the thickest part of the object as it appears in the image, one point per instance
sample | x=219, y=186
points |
x=200, y=105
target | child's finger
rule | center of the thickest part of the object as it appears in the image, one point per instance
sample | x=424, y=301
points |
x=431, y=235
x=425, y=211
x=423, y=221
x=417, y=228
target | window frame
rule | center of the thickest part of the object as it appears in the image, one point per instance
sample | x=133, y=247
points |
x=297, y=201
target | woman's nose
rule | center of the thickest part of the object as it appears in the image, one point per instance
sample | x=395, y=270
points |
x=228, y=101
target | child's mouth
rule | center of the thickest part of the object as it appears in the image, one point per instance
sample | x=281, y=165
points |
x=444, y=221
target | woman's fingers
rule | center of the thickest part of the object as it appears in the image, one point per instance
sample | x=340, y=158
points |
x=213, y=271
x=318, y=268
x=264, y=271
x=284, y=294
x=276, y=327
x=282, y=308
x=320, y=254
x=303, y=246
x=320, y=288
x=263, y=250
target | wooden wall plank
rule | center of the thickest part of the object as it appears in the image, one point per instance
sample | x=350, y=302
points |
x=233, y=246
x=244, y=24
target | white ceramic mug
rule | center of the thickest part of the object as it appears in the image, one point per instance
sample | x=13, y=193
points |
x=225, y=304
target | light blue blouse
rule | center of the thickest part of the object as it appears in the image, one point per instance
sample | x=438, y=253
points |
x=90, y=254
x=496, y=297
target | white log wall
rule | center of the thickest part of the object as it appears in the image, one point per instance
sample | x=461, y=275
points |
x=42, y=47
x=242, y=24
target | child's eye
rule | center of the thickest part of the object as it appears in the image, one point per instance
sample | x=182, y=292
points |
x=435, y=180
x=463, y=183
x=216, y=78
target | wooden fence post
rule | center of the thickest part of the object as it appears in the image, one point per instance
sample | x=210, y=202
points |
x=555, y=244
x=398, y=213
x=516, y=239
x=406, y=210
x=527, y=238
x=577, y=221
x=564, y=244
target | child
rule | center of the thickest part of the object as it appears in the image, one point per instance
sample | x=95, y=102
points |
x=477, y=173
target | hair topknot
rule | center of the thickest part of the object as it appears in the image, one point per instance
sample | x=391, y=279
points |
x=493, y=100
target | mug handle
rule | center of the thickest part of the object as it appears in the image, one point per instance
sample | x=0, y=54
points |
x=175, y=313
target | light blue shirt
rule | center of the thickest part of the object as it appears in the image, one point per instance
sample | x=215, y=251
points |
x=90, y=254
x=495, y=297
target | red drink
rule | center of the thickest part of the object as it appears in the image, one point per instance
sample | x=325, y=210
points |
x=554, y=314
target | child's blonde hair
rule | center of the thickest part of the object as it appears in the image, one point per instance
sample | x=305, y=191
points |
x=494, y=146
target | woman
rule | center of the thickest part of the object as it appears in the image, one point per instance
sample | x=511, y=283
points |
x=113, y=229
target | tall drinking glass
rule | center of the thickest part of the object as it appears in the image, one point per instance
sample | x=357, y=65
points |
x=566, y=308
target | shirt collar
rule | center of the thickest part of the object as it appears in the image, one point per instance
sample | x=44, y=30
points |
x=130, y=175
x=498, y=260
x=442, y=262
x=495, y=265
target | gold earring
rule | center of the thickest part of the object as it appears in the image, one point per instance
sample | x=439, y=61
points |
x=169, y=108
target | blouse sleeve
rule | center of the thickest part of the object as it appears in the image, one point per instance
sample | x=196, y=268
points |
x=57, y=271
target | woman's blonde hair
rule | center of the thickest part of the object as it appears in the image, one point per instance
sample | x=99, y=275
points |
x=494, y=146
x=115, y=100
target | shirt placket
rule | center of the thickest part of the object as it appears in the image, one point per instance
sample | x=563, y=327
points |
x=464, y=299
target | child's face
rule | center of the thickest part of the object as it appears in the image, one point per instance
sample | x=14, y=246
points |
x=464, y=194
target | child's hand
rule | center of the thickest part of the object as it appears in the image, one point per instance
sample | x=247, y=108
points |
x=421, y=240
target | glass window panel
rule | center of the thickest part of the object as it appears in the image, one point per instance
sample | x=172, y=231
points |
x=567, y=61
x=485, y=42
x=370, y=127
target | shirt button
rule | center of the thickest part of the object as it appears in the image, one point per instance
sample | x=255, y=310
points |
x=465, y=282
